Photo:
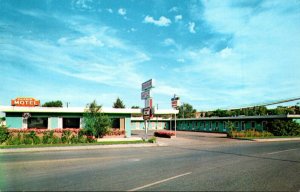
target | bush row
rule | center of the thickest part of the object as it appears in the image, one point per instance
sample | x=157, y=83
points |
x=249, y=133
x=47, y=137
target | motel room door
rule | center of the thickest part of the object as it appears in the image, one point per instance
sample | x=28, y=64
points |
x=122, y=124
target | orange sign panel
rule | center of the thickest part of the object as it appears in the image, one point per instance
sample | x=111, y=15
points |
x=25, y=102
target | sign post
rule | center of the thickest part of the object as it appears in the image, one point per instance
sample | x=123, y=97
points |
x=148, y=111
x=175, y=102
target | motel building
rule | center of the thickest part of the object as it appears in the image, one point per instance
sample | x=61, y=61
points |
x=26, y=113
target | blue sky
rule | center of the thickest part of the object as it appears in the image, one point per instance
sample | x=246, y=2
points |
x=213, y=54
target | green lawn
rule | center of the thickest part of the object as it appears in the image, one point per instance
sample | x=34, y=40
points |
x=68, y=145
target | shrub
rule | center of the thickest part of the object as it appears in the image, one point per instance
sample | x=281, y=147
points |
x=56, y=140
x=27, y=139
x=91, y=139
x=66, y=136
x=4, y=134
x=74, y=139
x=115, y=132
x=36, y=140
x=166, y=134
x=17, y=140
x=152, y=140
x=249, y=133
x=47, y=137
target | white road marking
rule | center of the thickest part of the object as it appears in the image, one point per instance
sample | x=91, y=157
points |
x=281, y=151
x=158, y=182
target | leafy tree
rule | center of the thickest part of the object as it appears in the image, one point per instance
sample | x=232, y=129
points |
x=95, y=122
x=186, y=111
x=118, y=103
x=284, y=128
x=57, y=103
x=4, y=134
x=230, y=128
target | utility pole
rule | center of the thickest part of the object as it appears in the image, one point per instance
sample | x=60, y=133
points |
x=156, y=116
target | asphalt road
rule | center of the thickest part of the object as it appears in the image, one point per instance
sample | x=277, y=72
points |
x=191, y=162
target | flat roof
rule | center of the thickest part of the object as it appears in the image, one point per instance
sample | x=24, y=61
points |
x=13, y=109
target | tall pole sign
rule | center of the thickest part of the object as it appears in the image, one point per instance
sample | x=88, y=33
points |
x=175, y=102
x=148, y=110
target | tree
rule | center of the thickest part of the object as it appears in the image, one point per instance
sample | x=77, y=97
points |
x=95, y=122
x=284, y=128
x=135, y=107
x=57, y=103
x=186, y=111
x=118, y=103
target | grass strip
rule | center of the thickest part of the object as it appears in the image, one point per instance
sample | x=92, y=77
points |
x=269, y=137
x=68, y=145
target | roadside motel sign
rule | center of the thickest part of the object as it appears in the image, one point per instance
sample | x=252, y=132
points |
x=146, y=113
x=25, y=102
x=175, y=102
x=145, y=94
x=147, y=85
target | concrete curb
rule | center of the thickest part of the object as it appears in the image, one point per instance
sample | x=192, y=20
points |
x=276, y=139
x=71, y=148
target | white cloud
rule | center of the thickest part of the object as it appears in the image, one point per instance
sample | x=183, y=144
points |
x=110, y=10
x=83, y=4
x=162, y=21
x=169, y=41
x=226, y=52
x=192, y=27
x=122, y=11
x=89, y=40
x=173, y=9
x=178, y=18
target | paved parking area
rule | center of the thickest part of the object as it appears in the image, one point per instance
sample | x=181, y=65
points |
x=188, y=138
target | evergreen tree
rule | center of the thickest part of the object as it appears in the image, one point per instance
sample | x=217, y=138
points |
x=118, y=103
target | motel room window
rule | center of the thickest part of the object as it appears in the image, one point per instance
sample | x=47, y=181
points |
x=38, y=122
x=236, y=125
x=263, y=125
x=71, y=122
x=243, y=125
x=224, y=125
x=252, y=124
x=115, y=123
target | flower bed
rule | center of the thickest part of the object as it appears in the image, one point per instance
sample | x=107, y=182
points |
x=34, y=136
x=115, y=132
x=40, y=131
x=166, y=134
